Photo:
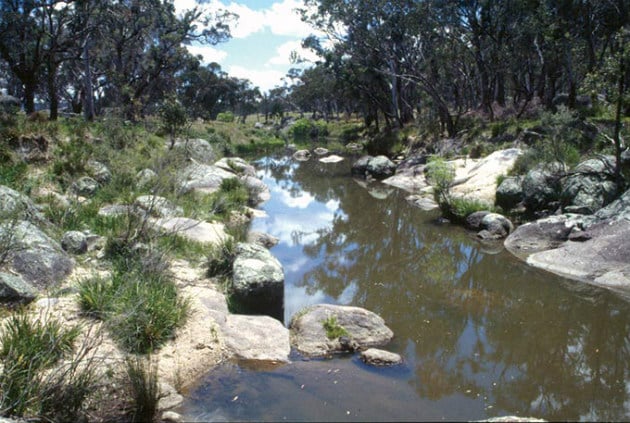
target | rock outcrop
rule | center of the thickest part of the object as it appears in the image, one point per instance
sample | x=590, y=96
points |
x=36, y=257
x=589, y=248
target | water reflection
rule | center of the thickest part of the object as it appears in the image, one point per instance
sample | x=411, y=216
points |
x=481, y=334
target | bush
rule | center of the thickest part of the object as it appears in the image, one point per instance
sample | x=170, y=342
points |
x=300, y=130
x=560, y=144
x=226, y=117
x=306, y=129
x=459, y=208
x=440, y=175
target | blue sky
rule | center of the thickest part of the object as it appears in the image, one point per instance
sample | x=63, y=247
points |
x=262, y=39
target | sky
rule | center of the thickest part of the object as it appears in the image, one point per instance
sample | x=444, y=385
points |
x=263, y=37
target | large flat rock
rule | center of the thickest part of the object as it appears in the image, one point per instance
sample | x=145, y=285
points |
x=193, y=230
x=602, y=260
x=478, y=178
x=261, y=338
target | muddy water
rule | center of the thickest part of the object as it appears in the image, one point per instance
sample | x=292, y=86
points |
x=481, y=333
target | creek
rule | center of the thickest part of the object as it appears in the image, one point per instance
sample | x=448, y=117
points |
x=481, y=333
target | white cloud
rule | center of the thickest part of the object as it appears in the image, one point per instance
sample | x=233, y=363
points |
x=209, y=53
x=249, y=21
x=281, y=18
x=283, y=53
x=264, y=79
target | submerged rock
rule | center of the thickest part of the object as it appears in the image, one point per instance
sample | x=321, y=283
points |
x=333, y=158
x=364, y=328
x=302, y=155
x=601, y=258
x=377, y=357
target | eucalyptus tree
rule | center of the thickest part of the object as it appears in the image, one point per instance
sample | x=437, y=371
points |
x=23, y=43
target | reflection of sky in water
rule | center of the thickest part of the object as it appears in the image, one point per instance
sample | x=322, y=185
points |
x=296, y=218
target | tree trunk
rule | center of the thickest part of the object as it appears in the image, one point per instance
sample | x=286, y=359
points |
x=88, y=91
x=52, y=92
x=29, y=96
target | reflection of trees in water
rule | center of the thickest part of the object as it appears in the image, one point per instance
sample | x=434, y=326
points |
x=480, y=324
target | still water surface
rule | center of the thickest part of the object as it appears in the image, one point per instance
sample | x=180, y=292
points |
x=482, y=334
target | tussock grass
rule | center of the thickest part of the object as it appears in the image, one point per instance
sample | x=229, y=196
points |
x=31, y=381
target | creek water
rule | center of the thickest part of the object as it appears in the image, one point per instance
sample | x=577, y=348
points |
x=481, y=333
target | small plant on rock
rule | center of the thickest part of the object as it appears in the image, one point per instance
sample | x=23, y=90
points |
x=333, y=329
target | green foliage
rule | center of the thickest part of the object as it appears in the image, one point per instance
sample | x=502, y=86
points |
x=256, y=147
x=142, y=384
x=13, y=171
x=96, y=297
x=561, y=143
x=30, y=347
x=173, y=117
x=458, y=208
x=306, y=129
x=226, y=117
x=70, y=159
x=333, y=329
x=231, y=196
x=139, y=304
x=221, y=259
x=440, y=175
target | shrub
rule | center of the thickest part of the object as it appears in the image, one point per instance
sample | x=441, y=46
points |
x=174, y=118
x=459, y=208
x=306, y=129
x=301, y=130
x=441, y=175
x=561, y=143
x=226, y=117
